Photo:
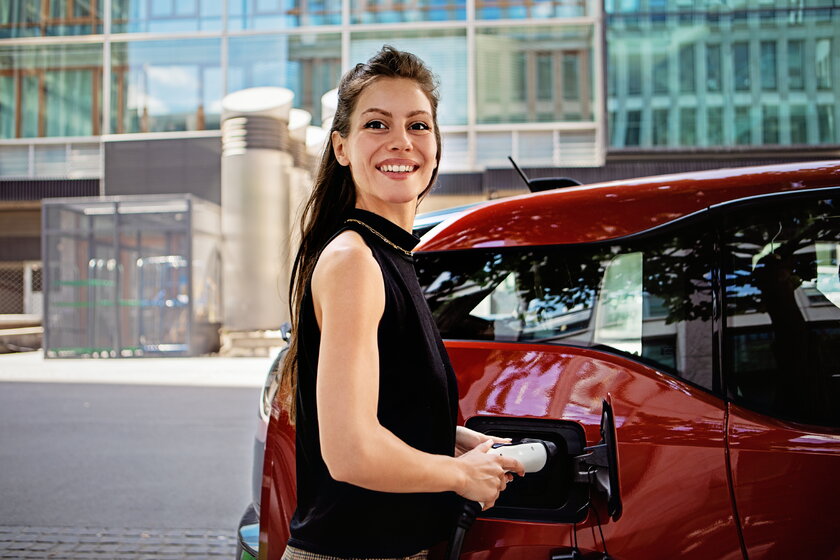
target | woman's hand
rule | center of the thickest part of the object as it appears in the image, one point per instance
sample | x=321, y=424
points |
x=467, y=440
x=486, y=475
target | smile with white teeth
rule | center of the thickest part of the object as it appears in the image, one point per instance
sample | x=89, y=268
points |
x=397, y=168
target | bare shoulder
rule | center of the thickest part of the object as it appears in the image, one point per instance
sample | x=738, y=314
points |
x=346, y=264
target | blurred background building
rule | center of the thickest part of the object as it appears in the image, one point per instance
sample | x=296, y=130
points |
x=124, y=97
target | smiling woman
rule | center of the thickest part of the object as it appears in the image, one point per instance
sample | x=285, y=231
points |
x=363, y=338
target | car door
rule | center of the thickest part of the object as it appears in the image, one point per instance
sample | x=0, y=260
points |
x=781, y=357
x=541, y=335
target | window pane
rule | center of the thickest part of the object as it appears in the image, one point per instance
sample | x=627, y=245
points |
x=713, y=68
x=31, y=18
x=825, y=119
x=688, y=82
x=798, y=125
x=768, y=65
x=715, y=126
x=165, y=16
x=661, y=82
x=782, y=342
x=70, y=79
x=660, y=127
x=521, y=72
x=444, y=51
x=163, y=86
x=505, y=9
x=650, y=301
x=770, y=124
x=634, y=128
x=741, y=64
x=688, y=126
x=400, y=11
x=823, y=63
x=277, y=14
x=743, y=126
x=796, y=64
x=309, y=65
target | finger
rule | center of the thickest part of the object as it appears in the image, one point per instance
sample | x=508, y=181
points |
x=485, y=445
x=512, y=465
x=508, y=477
x=500, y=439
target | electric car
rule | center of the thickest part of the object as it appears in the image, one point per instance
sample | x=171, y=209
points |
x=675, y=338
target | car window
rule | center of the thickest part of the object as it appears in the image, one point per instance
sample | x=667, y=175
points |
x=648, y=300
x=782, y=302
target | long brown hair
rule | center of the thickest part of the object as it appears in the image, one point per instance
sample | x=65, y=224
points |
x=334, y=193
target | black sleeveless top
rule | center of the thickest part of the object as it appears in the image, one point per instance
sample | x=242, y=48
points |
x=418, y=400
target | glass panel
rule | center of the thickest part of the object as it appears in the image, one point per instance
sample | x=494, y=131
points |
x=31, y=18
x=277, y=14
x=647, y=300
x=660, y=127
x=165, y=16
x=769, y=66
x=741, y=64
x=634, y=128
x=401, y=11
x=798, y=125
x=782, y=341
x=688, y=79
x=796, y=64
x=713, y=68
x=535, y=147
x=504, y=9
x=445, y=52
x=715, y=126
x=770, y=124
x=520, y=70
x=823, y=63
x=164, y=86
x=688, y=126
x=50, y=90
x=743, y=126
x=493, y=148
x=309, y=65
x=825, y=120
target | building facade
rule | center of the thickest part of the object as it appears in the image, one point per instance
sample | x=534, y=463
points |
x=123, y=97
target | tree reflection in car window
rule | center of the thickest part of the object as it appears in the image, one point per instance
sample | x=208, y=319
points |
x=782, y=290
x=649, y=300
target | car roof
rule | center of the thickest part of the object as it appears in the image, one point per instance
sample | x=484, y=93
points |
x=603, y=211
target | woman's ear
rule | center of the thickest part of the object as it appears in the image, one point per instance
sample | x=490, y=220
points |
x=339, y=148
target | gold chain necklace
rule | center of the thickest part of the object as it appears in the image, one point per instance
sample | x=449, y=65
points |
x=380, y=236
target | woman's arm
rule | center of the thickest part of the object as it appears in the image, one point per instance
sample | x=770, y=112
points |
x=349, y=298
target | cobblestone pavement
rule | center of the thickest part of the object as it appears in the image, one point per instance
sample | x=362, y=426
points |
x=73, y=543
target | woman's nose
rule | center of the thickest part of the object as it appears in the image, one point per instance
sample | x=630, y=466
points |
x=400, y=140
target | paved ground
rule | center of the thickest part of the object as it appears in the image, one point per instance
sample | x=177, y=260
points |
x=73, y=543
x=64, y=419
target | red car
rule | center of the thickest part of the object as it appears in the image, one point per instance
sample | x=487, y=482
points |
x=689, y=324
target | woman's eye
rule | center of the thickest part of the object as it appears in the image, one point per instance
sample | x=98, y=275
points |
x=375, y=124
x=420, y=126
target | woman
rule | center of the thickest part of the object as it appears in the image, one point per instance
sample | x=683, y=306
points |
x=367, y=379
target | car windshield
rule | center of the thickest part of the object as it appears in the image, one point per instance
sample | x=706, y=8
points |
x=644, y=299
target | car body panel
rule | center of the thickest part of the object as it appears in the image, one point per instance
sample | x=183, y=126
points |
x=671, y=447
x=612, y=210
x=785, y=481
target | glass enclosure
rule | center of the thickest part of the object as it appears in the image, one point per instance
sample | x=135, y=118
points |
x=131, y=276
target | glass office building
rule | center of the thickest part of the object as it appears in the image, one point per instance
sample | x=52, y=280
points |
x=517, y=78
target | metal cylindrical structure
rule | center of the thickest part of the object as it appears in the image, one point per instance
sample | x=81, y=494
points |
x=255, y=207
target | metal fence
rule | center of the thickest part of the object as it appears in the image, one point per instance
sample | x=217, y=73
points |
x=20, y=288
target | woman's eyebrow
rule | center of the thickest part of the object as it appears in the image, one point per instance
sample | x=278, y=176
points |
x=389, y=115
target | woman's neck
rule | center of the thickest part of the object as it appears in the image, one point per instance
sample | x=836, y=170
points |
x=400, y=214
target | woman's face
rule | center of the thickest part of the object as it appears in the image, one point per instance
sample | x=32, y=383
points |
x=391, y=146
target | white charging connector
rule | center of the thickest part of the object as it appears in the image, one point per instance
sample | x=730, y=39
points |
x=532, y=454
